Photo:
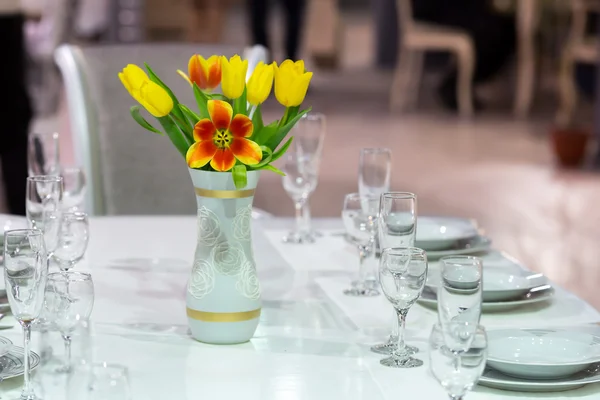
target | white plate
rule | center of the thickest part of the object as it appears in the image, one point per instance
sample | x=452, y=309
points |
x=541, y=353
x=475, y=245
x=543, y=293
x=498, y=380
x=498, y=283
x=11, y=364
x=441, y=233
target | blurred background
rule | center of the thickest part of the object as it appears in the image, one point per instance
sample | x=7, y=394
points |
x=489, y=107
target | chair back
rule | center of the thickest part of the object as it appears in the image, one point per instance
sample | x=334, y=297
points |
x=129, y=170
x=405, y=15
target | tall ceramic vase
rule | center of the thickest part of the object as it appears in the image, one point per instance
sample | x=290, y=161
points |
x=223, y=293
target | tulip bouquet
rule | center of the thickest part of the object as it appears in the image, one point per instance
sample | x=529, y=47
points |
x=227, y=133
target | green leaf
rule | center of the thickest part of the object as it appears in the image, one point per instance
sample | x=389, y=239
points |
x=240, y=104
x=263, y=135
x=191, y=116
x=265, y=159
x=257, y=120
x=240, y=179
x=185, y=128
x=173, y=132
x=135, y=113
x=281, y=133
x=277, y=155
x=154, y=78
x=201, y=100
x=269, y=167
x=219, y=96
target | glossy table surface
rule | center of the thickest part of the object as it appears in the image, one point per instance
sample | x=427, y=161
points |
x=312, y=342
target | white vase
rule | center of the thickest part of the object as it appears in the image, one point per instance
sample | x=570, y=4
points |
x=223, y=293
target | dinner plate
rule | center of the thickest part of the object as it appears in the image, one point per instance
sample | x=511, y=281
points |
x=441, y=233
x=536, y=295
x=11, y=364
x=498, y=380
x=475, y=245
x=541, y=353
x=499, y=284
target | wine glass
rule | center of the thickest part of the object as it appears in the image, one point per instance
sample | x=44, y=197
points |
x=300, y=180
x=309, y=135
x=69, y=300
x=25, y=274
x=459, y=298
x=43, y=207
x=457, y=373
x=74, y=188
x=397, y=225
x=43, y=155
x=359, y=216
x=73, y=240
x=402, y=273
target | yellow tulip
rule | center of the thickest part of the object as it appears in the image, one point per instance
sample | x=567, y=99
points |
x=291, y=83
x=233, y=76
x=260, y=83
x=150, y=95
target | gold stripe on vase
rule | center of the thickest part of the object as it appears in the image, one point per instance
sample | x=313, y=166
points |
x=224, y=194
x=222, y=317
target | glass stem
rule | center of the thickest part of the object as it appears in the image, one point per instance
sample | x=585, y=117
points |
x=401, y=346
x=362, y=255
x=67, y=340
x=27, y=388
x=394, y=334
x=299, y=218
x=306, y=216
x=456, y=397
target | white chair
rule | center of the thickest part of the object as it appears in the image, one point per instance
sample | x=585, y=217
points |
x=579, y=49
x=129, y=170
x=417, y=38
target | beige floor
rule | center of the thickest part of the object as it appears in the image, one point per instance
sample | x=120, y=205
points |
x=495, y=169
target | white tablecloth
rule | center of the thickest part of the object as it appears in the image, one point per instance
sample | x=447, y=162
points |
x=312, y=343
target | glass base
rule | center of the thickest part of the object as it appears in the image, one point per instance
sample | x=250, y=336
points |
x=361, y=292
x=389, y=347
x=24, y=396
x=393, y=362
x=298, y=238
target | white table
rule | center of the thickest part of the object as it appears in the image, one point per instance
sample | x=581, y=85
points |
x=311, y=343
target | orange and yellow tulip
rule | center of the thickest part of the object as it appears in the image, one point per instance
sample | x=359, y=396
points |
x=204, y=73
x=222, y=139
x=291, y=83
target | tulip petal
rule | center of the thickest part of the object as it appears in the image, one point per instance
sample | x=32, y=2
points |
x=135, y=76
x=156, y=99
x=200, y=153
x=204, y=130
x=195, y=71
x=223, y=160
x=246, y=151
x=241, y=126
x=220, y=113
x=184, y=76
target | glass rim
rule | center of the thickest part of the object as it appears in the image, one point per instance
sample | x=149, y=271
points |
x=313, y=116
x=78, y=215
x=108, y=366
x=375, y=150
x=459, y=258
x=359, y=196
x=398, y=250
x=30, y=232
x=440, y=327
x=399, y=195
x=45, y=178
x=83, y=276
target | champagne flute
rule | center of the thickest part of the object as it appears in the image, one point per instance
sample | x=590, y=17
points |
x=43, y=207
x=72, y=241
x=74, y=188
x=402, y=273
x=397, y=226
x=25, y=274
x=69, y=301
x=374, y=171
x=309, y=135
x=359, y=216
x=457, y=381
x=43, y=155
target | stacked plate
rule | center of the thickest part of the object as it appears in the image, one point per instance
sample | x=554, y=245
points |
x=11, y=359
x=448, y=236
x=541, y=360
x=503, y=288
